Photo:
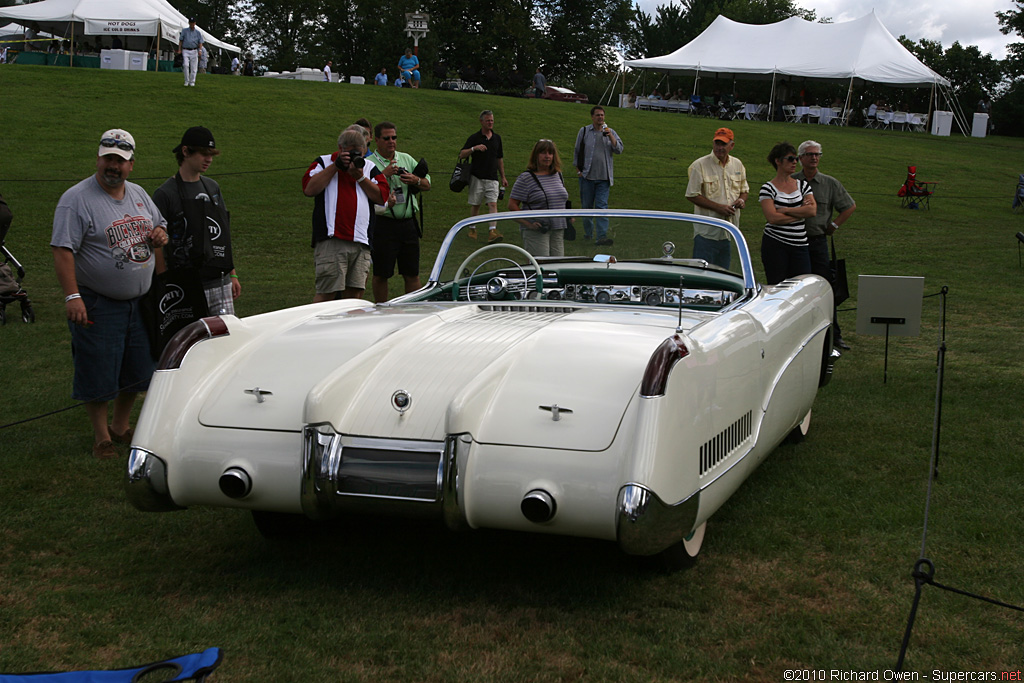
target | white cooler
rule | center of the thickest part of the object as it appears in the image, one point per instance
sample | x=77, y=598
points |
x=114, y=59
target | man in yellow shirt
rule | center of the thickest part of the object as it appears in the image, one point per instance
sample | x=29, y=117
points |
x=717, y=187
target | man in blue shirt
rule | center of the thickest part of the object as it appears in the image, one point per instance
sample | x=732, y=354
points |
x=189, y=41
x=382, y=77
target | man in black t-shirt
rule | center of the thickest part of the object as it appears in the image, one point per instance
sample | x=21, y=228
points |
x=488, y=168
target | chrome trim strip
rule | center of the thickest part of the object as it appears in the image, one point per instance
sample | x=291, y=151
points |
x=456, y=449
x=145, y=482
x=646, y=525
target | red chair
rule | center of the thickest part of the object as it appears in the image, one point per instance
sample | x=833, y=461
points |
x=914, y=193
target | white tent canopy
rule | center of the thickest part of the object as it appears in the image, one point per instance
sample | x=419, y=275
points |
x=860, y=49
x=106, y=18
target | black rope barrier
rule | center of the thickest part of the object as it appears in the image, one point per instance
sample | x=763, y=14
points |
x=924, y=569
x=617, y=178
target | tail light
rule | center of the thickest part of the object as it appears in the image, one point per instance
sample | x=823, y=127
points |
x=189, y=336
x=660, y=364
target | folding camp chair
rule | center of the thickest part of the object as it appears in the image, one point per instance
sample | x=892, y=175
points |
x=1018, y=198
x=914, y=193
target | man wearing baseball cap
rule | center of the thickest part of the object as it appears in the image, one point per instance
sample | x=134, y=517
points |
x=717, y=187
x=189, y=41
x=199, y=230
x=105, y=230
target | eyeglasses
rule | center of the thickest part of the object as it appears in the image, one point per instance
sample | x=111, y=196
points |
x=120, y=144
x=791, y=158
x=812, y=154
x=388, y=137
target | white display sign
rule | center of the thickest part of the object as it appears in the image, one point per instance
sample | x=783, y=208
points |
x=122, y=27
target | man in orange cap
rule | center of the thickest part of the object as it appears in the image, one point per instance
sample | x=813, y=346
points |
x=717, y=187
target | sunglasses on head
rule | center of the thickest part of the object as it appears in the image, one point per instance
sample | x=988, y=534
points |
x=791, y=158
x=120, y=144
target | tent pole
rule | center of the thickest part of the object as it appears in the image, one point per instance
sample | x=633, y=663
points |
x=71, y=52
x=849, y=100
x=771, y=100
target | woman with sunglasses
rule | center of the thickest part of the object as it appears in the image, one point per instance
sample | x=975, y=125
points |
x=786, y=202
x=541, y=187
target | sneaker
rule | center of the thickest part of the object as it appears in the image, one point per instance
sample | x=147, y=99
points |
x=471, y=233
x=605, y=242
x=125, y=438
x=495, y=237
x=104, y=450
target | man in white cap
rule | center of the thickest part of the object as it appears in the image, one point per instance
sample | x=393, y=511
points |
x=105, y=230
x=189, y=41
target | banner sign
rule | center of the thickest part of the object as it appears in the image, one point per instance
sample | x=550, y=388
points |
x=121, y=27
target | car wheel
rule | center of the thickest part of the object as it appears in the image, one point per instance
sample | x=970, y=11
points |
x=280, y=525
x=799, y=432
x=683, y=554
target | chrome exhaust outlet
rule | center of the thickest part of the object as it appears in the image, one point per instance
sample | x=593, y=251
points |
x=235, y=483
x=538, y=506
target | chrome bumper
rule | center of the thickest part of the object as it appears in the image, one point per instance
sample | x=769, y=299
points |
x=646, y=525
x=145, y=482
x=387, y=476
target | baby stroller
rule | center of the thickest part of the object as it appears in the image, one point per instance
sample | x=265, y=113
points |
x=11, y=274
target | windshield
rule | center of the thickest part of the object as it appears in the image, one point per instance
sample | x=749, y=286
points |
x=609, y=235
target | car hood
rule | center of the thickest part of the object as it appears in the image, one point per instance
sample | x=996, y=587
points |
x=480, y=369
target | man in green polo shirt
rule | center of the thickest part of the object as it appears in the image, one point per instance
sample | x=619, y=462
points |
x=396, y=235
x=830, y=196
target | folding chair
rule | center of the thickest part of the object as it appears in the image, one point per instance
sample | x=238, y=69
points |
x=899, y=118
x=1018, y=198
x=814, y=114
x=869, y=121
x=789, y=111
x=914, y=193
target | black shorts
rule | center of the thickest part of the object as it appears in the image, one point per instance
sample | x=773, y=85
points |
x=395, y=240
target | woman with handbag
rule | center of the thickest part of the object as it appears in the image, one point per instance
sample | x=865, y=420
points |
x=541, y=187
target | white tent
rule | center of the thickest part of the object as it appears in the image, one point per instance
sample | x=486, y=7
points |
x=860, y=49
x=71, y=18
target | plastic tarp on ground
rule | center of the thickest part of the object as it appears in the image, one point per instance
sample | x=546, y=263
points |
x=859, y=49
x=106, y=18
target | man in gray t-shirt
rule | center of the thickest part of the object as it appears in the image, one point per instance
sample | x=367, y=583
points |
x=104, y=232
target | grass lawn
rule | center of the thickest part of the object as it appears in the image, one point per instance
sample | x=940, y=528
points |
x=806, y=567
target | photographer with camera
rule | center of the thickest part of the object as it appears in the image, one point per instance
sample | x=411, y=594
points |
x=345, y=188
x=396, y=235
x=541, y=187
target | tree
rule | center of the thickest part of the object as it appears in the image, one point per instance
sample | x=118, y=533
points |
x=1012, y=21
x=579, y=35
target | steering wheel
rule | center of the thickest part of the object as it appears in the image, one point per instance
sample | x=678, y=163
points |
x=489, y=247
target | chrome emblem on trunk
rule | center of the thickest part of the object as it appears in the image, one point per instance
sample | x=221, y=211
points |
x=401, y=400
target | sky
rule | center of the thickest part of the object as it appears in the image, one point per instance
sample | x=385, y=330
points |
x=972, y=22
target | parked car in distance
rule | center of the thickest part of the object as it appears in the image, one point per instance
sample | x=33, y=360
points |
x=461, y=86
x=557, y=94
x=619, y=390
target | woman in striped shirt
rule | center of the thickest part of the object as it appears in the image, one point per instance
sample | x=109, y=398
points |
x=786, y=202
x=541, y=187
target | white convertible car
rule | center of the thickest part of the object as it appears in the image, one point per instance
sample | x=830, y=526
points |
x=620, y=392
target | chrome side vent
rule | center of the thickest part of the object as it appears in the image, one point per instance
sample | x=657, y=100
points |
x=721, y=446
